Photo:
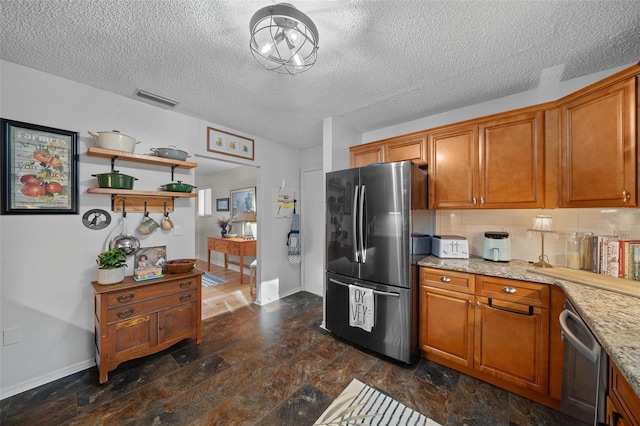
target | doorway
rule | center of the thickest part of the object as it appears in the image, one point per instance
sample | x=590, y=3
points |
x=222, y=177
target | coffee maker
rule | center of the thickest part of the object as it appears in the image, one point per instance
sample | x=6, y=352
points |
x=497, y=246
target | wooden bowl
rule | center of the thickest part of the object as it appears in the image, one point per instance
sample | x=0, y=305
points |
x=180, y=266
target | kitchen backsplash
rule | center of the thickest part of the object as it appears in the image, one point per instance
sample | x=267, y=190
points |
x=525, y=244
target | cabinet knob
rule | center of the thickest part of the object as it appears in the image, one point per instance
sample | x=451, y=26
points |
x=474, y=201
x=125, y=297
x=125, y=313
x=470, y=304
x=185, y=284
x=482, y=201
x=509, y=290
x=185, y=297
x=626, y=196
x=478, y=304
x=445, y=279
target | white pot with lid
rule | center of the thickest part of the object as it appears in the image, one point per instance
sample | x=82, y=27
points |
x=114, y=140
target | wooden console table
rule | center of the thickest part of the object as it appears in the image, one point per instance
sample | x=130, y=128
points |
x=231, y=246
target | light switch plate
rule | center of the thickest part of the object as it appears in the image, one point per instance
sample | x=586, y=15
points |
x=10, y=336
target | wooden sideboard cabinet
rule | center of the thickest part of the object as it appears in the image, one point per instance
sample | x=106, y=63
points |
x=231, y=246
x=139, y=318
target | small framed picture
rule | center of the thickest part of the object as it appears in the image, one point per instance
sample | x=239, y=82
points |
x=39, y=169
x=222, y=204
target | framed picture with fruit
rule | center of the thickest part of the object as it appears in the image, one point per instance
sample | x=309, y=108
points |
x=39, y=169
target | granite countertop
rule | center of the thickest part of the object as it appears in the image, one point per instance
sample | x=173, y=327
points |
x=614, y=318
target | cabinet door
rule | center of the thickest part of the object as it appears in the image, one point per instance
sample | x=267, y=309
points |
x=363, y=155
x=453, y=168
x=598, y=148
x=446, y=325
x=512, y=343
x=407, y=148
x=625, y=401
x=177, y=323
x=511, y=167
x=130, y=336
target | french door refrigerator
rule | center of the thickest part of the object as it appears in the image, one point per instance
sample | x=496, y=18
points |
x=368, y=235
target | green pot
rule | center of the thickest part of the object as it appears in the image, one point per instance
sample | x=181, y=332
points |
x=177, y=187
x=115, y=180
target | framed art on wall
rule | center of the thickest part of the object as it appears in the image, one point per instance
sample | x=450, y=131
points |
x=243, y=204
x=222, y=204
x=229, y=144
x=39, y=169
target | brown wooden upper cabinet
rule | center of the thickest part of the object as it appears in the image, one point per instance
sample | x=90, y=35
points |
x=494, y=164
x=411, y=147
x=598, y=148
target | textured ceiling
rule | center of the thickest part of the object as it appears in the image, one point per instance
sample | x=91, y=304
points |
x=380, y=62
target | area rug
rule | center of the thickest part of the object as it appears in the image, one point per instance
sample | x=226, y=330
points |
x=209, y=279
x=361, y=404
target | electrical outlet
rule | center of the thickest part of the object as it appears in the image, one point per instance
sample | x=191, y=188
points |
x=10, y=336
x=177, y=230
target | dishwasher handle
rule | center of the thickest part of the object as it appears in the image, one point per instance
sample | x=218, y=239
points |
x=592, y=353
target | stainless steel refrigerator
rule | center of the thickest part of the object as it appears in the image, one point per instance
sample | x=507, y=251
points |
x=370, y=218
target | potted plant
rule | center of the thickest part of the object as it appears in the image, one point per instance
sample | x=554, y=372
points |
x=111, y=264
x=222, y=224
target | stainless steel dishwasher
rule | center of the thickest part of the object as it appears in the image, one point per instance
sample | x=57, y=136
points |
x=584, y=375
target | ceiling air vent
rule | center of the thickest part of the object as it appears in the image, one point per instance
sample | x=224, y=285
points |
x=156, y=98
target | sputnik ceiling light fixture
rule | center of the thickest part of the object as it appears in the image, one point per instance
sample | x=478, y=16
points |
x=283, y=39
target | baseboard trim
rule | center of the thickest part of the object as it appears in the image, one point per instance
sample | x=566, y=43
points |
x=47, y=378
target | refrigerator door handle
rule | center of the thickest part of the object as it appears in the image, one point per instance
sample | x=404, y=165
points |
x=354, y=236
x=378, y=292
x=362, y=225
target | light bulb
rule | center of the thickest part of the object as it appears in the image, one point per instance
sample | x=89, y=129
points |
x=266, y=48
x=297, y=60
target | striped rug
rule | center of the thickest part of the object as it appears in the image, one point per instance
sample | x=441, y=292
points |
x=361, y=404
x=209, y=279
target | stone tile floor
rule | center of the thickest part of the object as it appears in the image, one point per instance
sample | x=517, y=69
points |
x=269, y=365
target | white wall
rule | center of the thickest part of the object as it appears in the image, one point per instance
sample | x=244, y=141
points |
x=48, y=261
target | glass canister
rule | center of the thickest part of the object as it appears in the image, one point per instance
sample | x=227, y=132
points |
x=573, y=251
x=585, y=251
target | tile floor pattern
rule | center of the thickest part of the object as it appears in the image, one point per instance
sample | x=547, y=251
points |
x=269, y=365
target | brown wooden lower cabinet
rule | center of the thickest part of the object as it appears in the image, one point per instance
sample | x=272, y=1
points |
x=134, y=319
x=623, y=405
x=494, y=329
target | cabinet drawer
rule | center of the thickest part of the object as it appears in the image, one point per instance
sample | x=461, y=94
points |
x=234, y=248
x=448, y=280
x=211, y=244
x=137, y=294
x=527, y=293
x=624, y=395
x=151, y=305
x=221, y=246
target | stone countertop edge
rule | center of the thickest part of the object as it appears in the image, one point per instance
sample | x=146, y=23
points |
x=613, y=317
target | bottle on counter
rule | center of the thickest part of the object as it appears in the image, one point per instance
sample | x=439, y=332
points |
x=573, y=251
x=585, y=251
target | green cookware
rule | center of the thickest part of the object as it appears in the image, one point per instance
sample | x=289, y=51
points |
x=177, y=187
x=115, y=180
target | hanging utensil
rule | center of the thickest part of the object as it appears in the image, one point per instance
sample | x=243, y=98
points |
x=166, y=223
x=125, y=242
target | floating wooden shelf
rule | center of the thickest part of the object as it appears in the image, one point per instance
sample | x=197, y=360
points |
x=135, y=200
x=111, y=154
